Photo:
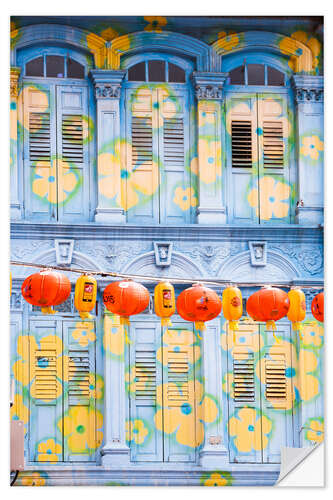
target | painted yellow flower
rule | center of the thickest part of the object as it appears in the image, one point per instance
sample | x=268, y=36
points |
x=173, y=339
x=274, y=198
x=216, y=479
x=156, y=23
x=289, y=47
x=228, y=384
x=311, y=42
x=48, y=451
x=99, y=55
x=44, y=182
x=138, y=180
x=84, y=333
x=108, y=170
x=180, y=419
x=311, y=146
x=210, y=161
x=39, y=98
x=95, y=385
x=113, y=338
x=313, y=334
x=247, y=427
x=136, y=431
x=185, y=198
x=228, y=42
x=19, y=411
x=137, y=375
x=33, y=479
x=26, y=347
x=78, y=426
x=246, y=339
x=109, y=34
x=316, y=431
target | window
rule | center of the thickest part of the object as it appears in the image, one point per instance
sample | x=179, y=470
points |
x=256, y=74
x=54, y=66
x=156, y=71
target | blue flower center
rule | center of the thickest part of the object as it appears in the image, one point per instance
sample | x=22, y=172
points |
x=290, y=372
x=271, y=199
x=299, y=52
x=91, y=387
x=185, y=198
x=242, y=339
x=312, y=334
x=210, y=160
x=251, y=428
x=312, y=146
x=83, y=333
x=186, y=408
x=43, y=363
x=318, y=433
x=259, y=131
x=80, y=429
x=124, y=174
x=51, y=178
x=49, y=452
x=114, y=330
x=135, y=431
x=204, y=113
x=176, y=349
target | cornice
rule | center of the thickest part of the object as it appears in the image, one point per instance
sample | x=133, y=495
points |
x=193, y=232
x=209, y=85
x=308, y=89
x=107, y=83
x=14, y=77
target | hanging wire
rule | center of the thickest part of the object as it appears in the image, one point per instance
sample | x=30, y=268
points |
x=156, y=279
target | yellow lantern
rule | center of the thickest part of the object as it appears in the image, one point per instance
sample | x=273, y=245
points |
x=164, y=300
x=297, y=309
x=85, y=295
x=232, y=305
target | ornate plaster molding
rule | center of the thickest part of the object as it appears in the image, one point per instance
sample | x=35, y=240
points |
x=14, y=86
x=209, y=86
x=107, y=83
x=308, y=89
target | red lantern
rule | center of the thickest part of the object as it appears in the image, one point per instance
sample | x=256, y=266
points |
x=199, y=304
x=317, y=307
x=268, y=304
x=45, y=289
x=125, y=298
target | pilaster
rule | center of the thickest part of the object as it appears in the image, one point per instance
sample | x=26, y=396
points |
x=214, y=453
x=107, y=85
x=309, y=97
x=15, y=205
x=115, y=452
x=209, y=94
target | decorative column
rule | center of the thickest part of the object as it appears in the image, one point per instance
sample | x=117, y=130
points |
x=107, y=92
x=15, y=205
x=115, y=452
x=309, y=97
x=214, y=453
x=209, y=93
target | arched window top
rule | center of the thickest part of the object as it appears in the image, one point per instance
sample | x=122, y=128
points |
x=256, y=74
x=54, y=66
x=156, y=70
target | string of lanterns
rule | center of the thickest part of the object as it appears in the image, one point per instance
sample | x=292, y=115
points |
x=196, y=304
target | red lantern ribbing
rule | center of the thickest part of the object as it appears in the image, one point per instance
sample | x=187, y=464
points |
x=125, y=298
x=317, y=307
x=199, y=304
x=45, y=289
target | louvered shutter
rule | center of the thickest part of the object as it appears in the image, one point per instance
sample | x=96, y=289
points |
x=276, y=390
x=145, y=373
x=72, y=152
x=244, y=393
x=274, y=161
x=173, y=143
x=80, y=397
x=242, y=158
x=39, y=129
x=142, y=181
x=179, y=396
x=46, y=393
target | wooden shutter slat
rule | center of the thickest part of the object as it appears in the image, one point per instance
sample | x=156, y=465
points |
x=243, y=374
x=241, y=144
x=39, y=137
x=173, y=141
x=72, y=138
x=273, y=145
x=78, y=384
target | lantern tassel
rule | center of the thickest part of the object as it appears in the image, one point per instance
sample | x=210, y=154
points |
x=200, y=326
x=166, y=322
x=271, y=326
x=48, y=310
x=85, y=315
x=233, y=327
x=298, y=327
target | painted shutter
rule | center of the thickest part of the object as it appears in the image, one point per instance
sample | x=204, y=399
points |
x=179, y=397
x=273, y=159
x=242, y=157
x=79, y=423
x=145, y=446
x=142, y=181
x=244, y=397
x=46, y=374
x=276, y=390
x=173, y=142
x=39, y=123
x=72, y=152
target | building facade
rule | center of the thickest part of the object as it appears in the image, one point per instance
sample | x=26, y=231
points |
x=165, y=146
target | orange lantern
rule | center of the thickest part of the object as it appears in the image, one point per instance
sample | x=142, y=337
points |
x=198, y=304
x=125, y=298
x=317, y=307
x=268, y=304
x=85, y=295
x=164, y=301
x=297, y=309
x=232, y=305
x=45, y=289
